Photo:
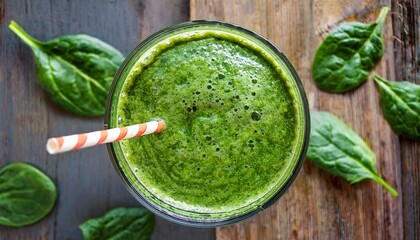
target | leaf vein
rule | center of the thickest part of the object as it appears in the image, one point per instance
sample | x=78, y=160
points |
x=396, y=96
x=80, y=72
x=345, y=153
x=58, y=91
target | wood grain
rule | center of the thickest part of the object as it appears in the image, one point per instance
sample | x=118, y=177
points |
x=87, y=184
x=406, y=25
x=320, y=206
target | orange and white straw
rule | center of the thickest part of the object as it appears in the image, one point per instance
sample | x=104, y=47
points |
x=84, y=140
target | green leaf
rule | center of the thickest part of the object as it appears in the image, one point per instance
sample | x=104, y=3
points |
x=400, y=103
x=348, y=54
x=75, y=70
x=26, y=195
x=120, y=223
x=336, y=148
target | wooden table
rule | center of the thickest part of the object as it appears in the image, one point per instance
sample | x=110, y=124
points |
x=318, y=206
x=88, y=185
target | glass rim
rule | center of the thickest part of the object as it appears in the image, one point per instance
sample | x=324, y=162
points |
x=299, y=160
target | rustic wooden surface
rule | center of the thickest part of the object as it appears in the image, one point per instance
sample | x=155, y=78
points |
x=320, y=206
x=87, y=184
x=406, y=25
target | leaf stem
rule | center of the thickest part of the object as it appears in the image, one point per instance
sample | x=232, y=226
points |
x=378, y=78
x=381, y=82
x=24, y=36
x=385, y=185
x=382, y=15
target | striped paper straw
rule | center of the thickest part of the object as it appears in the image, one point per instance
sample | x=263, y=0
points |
x=84, y=140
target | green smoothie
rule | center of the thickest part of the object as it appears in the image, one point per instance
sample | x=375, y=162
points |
x=232, y=133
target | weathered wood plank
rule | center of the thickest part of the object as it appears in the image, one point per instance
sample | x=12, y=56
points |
x=320, y=206
x=406, y=25
x=87, y=183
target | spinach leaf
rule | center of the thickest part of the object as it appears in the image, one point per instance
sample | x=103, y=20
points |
x=336, y=148
x=26, y=195
x=348, y=54
x=75, y=70
x=400, y=103
x=120, y=223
